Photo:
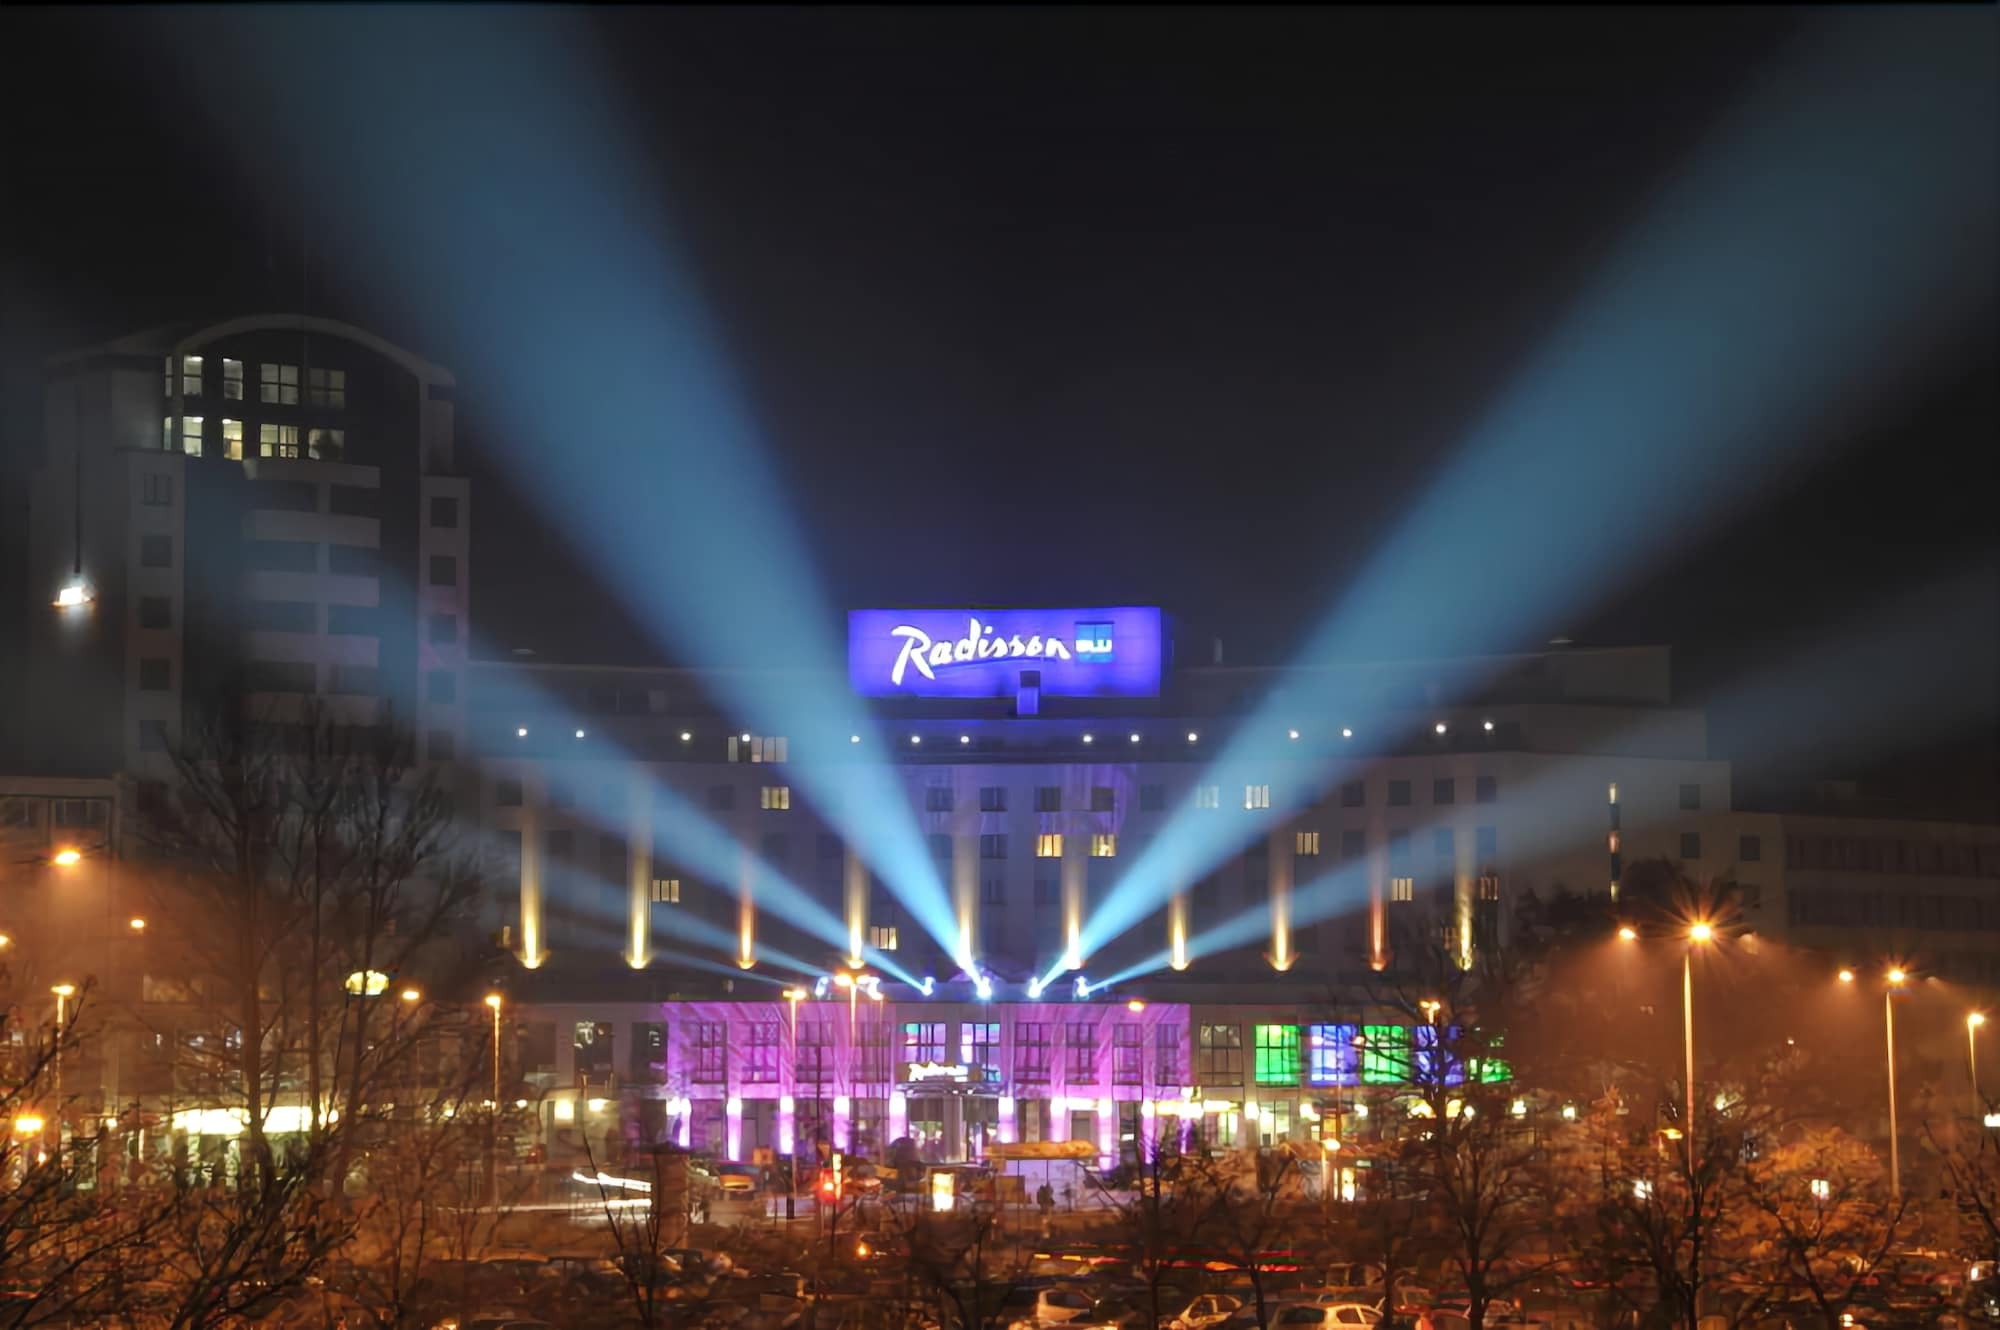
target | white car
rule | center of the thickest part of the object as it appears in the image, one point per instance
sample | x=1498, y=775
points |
x=1056, y=1306
x=1210, y=1309
x=1326, y=1316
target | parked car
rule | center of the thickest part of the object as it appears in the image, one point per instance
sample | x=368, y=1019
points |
x=1056, y=1306
x=1206, y=1312
x=1326, y=1316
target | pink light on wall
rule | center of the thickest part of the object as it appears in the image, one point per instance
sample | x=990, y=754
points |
x=1006, y=1117
x=1107, y=1133
x=843, y=1135
x=786, y=1117
x=899, y=1116
x=733, y=1113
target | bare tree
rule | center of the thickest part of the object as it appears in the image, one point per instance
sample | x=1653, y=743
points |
x=1829, y=1218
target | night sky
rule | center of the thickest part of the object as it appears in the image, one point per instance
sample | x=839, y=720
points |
x=1072, y=306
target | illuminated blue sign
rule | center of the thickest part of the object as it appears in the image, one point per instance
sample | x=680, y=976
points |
x=984, y=653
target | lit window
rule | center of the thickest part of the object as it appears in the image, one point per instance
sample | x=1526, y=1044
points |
x=1612, y=797
x=666, y=891
x=1256, y=796
x=166, y=434
x=277, y=440
x=777, y=798
x=1208, y=796
x=757, y=748
x=1489, y=888
x=1104, y=845
x=1276, y=1049
x=278, y=384
x=232, y=440
x=882, y=937
x=191, y=435
x=326, y=445
x=1402, y=888
x=190, y=376
x=232, y=380
x=1048, y=845
x=1308, y=843
x=326, y=387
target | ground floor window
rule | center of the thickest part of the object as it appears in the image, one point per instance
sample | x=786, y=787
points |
x=1031, y=1119
x=926, y=1128
x=982, y=1125
x=866, y=1127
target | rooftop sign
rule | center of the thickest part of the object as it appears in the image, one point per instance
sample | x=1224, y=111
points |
x=1116, y=652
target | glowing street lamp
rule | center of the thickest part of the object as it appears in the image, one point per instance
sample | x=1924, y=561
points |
x=412, y=995
x=1699, y=933
x=67, y=857
x=1973, y=1020
x=1627, y=933
x=136, y=924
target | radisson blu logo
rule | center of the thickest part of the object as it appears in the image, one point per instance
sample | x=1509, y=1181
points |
x=939, y=653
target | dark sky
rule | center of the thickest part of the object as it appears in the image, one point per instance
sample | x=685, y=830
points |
x=1062, y=306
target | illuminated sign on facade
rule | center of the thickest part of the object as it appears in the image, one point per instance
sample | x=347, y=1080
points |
x=984, y=653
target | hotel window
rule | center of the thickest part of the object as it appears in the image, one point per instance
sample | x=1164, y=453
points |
x=155, y=490
x=1048, y=845
x=1385, y=1055
x=444, y=570
x=153, y=736
x=155, y=674
x=1152, y=798
x=327, y=387
x=191, y=435
x=278, y=384
x=1307, y=844
x=993, y=891
x=993, y=798
x=1256, y=796
x=649, y=1052
x=1048, y=798
x=1399, y=794
x=1127, y=1054
x=1690, y=797
x=443, y=627
x=1277, y=1052
x=1031, y=1052
x=232, y=380
x=721, y=798
x=1690, y=845
x=1208, y=796
x=1102, y=799
x=277, y=440
x=761, y=1068
x=710, y=1041
x=1166, y=1055
x=1331, y=1055
x=1104, y=845
x=1749, y=849
x=666, y=891
x=1399, y=848
x=506, y=794
x=1485, y=790
x=326, y=445
x=1048, y=885
x=814, y=1053
x=1353, y=794
x=979, y=1047
x=937, y=799
x=882, y=937
x=1444, y=790
x=872, y=1044
x=166, y=434
x=232, y=440
x=940, y=847
x=1353, y=844
x=1219, y=1054
x=923, y=1041
x=1080, y=1044
x=993, y=845
x=591, y=1049
x=1486, y=844
x=1402, y=888
x=156, y=551
x=775, y=798
x=1443, y=843
x=444, y=513
x=776, y=847
x=190, y=375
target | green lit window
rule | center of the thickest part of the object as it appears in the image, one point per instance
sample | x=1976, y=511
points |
x=1494, y=1070
x=1277, y=1050
x=1385, y=1055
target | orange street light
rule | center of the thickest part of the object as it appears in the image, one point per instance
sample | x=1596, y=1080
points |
x=1897, y=975
x=412, y=995
x=1627, y=933
x=136, y=924
x=67, y=857
x=1701, y=932
x=1846, y=975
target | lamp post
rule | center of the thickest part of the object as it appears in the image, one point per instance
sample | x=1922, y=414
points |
x=1973, y=1020
x=792, y=999
x=1699, y=933
x=1896, y=977
x=493, y=1002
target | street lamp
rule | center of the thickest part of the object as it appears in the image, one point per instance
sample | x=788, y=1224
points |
x=1627, y=933
x=64, y=992
x=412, y=995
x=1700, y=932
x=793, y=996
x=493, y=1001
x=1896, y=977
x=1973, y=1020
x=67, y=857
